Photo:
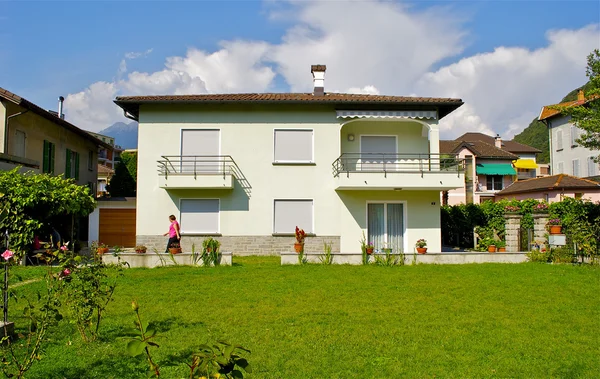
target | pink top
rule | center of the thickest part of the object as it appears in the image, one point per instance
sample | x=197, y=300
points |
x=172, y=231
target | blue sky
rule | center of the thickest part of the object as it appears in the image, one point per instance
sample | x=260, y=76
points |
x=61, y=48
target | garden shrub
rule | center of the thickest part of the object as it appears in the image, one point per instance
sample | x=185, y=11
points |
x=562, y=254
x=539, y=256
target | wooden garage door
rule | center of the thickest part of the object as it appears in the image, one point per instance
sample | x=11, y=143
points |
x=117, y=227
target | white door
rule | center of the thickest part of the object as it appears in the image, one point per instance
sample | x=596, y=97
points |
x=200, y=150
x=377, y=153
x=385, y=226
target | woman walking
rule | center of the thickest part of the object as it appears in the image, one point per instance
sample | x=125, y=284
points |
x=173, y=233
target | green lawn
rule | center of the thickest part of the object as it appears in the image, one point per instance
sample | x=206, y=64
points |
x=425, y=321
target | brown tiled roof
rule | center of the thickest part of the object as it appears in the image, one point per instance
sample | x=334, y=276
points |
x=102, y=169
x=550, y=183
x=18, y=100
x=479, y=148
x=443, y=105
x=509, y=145
x=547, y=112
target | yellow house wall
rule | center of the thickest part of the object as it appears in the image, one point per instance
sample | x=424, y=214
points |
x=37, y=129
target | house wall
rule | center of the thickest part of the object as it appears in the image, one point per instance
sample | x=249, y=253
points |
x=246, y=214
x=37, y=129
x=568, y=153
x=553, y=196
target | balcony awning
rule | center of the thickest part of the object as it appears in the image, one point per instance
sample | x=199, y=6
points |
x=525, y=163
x=495, y=169
x=388, y=114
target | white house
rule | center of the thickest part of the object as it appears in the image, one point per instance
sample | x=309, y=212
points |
x=249, y=168
x=566, y=155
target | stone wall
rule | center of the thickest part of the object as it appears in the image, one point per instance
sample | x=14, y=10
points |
x=512, y=227
x=245, y=245
x=539, y=228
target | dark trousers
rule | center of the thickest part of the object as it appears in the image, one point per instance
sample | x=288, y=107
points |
x=171, y=240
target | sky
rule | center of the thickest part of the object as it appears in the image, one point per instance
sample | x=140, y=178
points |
x=505, y=59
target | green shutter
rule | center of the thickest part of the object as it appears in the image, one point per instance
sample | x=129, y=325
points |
x=46, y=159
x=76, y=166
x=68, y=165
x=52, y=150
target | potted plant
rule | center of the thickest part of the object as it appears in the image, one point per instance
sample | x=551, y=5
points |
x=421, y=246
x=140, y=249
x=554, y=226
x=511, y=209
x=540, y=208
x=102, y=248
x=175, y=248
x=369, y=248
x=501, y=246
x=300, y=236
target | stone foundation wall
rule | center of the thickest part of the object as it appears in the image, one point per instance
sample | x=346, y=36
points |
x=245, y=245
x=539, y=228
x=512, y=224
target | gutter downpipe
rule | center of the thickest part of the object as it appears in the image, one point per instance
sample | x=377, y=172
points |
x=6, y=132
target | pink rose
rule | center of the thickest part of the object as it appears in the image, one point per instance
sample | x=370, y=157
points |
x=66, y=272
x=7, y=255
x=64, y=247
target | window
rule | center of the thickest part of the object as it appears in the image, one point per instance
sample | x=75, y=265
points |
x=291, y=213
x=20, y=143
x=574, y=135
x=592, y=167
x=575, y=167
x=385, y=225
x=49, y=152
x=72, y=164
x=91, y=160
x=494, y=182
x=199, y=216
x=560, y=168
x=559, y=140
x=579, y=195
x=293, y=146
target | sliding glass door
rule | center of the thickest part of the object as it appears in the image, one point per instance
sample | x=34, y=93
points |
x=385, y=225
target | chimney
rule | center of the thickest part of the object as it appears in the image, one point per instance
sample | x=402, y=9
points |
x=318, y=71
x=60, y=107
x=498, y=141
x=580, y=95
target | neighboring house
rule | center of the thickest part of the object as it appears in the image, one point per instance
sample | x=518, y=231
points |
x=108, y=156
x=105, y=173
x=41, y=141
x=566, y=155
x=249, y=168
x=552, y=188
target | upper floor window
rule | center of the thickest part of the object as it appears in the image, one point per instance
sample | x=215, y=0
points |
x=91, y=160
x=592, y=167
x=494, y=182
x=574, y=135
x=72, y=164
x=48, y=158
x=20, y=143
x=575, y=167
x=559, y=140
x=293, y=146
x=560, y=168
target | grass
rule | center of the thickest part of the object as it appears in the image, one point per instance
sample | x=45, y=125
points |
x=317, y=321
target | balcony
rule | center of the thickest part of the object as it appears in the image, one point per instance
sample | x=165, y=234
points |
x=392, y=171
x=198, y=172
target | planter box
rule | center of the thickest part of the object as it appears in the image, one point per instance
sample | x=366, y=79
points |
x=151, y=260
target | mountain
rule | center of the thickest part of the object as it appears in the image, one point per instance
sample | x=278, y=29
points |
x=536, y=134
x=125, y=135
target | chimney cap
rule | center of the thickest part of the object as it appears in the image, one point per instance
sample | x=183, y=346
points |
x=318, y=68
x=580, y=95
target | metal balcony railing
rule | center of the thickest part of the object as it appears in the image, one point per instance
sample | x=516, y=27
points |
x=397, y=163
x=198, y=165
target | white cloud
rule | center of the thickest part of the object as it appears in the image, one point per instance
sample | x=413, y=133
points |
x=506, y=88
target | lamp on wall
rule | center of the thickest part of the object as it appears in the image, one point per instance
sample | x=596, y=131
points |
x=350, y=137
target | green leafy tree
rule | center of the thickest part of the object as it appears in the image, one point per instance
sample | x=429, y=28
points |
x=32, y=199
x=587, y=117
x=124, y=181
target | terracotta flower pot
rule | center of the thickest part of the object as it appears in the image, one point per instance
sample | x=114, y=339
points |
x=140, y=251
x=502, y=250
x=421, y=250
x=298, y=247
x=175, y=250
x=555, y=229
x=369, y=250
x=102, y=250
x=492, y=249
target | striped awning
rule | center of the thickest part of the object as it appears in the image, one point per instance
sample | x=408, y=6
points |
x=495, y=169
x=388, y=114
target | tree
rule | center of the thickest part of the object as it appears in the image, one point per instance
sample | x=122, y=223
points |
x=124, y=181
x=34, y=199
x=587, y=116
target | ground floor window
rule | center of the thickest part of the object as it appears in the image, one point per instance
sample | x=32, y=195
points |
x=385, y=225
x=199, y=216
x=287, y=214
